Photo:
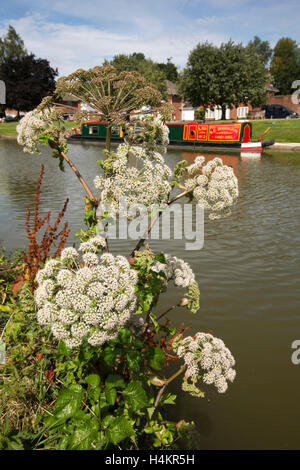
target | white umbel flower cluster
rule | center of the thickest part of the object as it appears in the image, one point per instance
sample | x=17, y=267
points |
x=205, y=353
x=30, y=127
x=86, y=296
x=175, y=269
x=140, y=176
x=215, y=187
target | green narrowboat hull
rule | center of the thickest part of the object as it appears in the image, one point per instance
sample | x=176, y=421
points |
x=184, y=134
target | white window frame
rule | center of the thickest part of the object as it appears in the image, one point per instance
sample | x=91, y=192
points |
x=242, y=112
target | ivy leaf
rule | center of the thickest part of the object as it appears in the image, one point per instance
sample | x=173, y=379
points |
x=136, y=395
x=156, y=358
x=120, y=429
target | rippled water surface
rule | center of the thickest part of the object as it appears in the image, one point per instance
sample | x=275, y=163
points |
x=248, y=273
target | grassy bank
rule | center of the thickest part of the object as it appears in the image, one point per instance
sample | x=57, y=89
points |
x=285, y=130
x=9, y=128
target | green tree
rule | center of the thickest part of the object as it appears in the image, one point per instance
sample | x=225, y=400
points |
x=169, y=69
x=262, y=48
x=28, y=80
x=285, y=66
x=225, y=76
x=11, y=46
x=146, y=67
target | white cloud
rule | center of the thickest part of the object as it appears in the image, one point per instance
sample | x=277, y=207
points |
x=69, y=46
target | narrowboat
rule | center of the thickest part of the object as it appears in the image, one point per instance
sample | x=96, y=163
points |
x=184, y=134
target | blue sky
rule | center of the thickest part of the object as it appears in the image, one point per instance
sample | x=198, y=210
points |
x=73, y=33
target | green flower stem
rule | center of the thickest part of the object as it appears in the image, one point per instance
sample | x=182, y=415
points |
x=88, y=191
x=169, y=380
x=168, y=310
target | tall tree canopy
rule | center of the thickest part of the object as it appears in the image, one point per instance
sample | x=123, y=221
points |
x=262, y=48
x=227, y=75
x=28, y=80
x=285, y=66
x=11, y=46
x=146, y=67
x=169, y=69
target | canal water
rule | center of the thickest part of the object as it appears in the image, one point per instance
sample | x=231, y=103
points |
x=248, y=271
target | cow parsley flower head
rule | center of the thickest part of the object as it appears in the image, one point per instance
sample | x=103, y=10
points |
x=214, y=185
x=208, y=358
x=137, y=175
x=175, y=269
x=30, y=127
x=40, y=120
x=86, y=296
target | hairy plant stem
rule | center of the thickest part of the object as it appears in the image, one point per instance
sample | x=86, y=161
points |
x=169, y=380
x=55, y=145
x=108, y=137
x=168, y=310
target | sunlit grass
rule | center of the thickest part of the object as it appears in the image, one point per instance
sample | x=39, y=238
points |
x=285, y=130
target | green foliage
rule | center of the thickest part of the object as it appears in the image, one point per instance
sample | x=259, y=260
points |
x=224, y=76
x=11, y=45
x=169, y=69
x=22, y=76
x=262, y=48
x=285, y=65
x=153, y=72
x=200, y=114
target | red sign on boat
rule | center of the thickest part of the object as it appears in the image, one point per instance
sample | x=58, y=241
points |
x=224, y=133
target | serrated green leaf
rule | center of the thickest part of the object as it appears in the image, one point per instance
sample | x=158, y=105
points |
x=156, y=358
x=93, y=380
x=120, y=429
x=68, y=402
x=134, y=360
x=114, y=381
x=111, y=395
x=135, y=395
x=83, y=437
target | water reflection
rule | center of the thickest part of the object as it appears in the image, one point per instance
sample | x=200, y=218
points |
x=248, y=273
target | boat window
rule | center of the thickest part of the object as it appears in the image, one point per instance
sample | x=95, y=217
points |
x=94, y=130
